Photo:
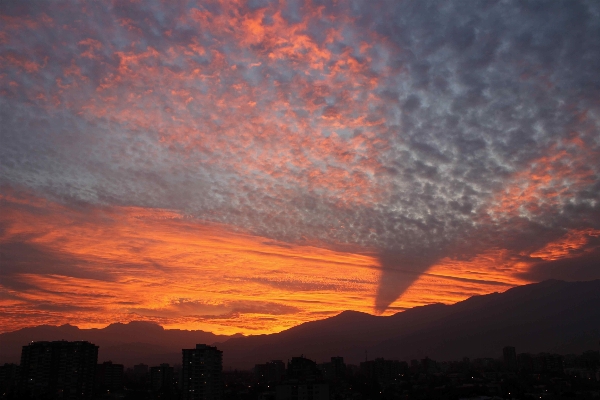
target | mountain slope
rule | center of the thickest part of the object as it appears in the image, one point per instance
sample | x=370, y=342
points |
x=549, y=316
x=131, y=343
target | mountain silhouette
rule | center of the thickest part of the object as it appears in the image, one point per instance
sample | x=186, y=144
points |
x=552, y=316
x=129, y=344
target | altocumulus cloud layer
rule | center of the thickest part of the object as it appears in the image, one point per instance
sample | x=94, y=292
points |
x=426, y=133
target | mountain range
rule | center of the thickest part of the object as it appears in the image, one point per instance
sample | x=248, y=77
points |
x=551, y=316
x=132, y=343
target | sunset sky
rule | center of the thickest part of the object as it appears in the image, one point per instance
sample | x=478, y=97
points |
x=246, y=166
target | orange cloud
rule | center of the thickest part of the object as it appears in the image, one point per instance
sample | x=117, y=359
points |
x=494, y=270
x=133, y=263
x=130, y=263
x=548, y=181
x=567, y=246
x=451, y=280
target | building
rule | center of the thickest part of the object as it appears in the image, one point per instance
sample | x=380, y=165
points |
x=161, y=378
x=302, y=391
x=140, y=370
x=201, y=373
x=510, y=358
x=303, y=369
x=336, y=369
x=384, y=371
x=304, y=381
x=109, y=376
x=58, y=370
x=269, y=372
x=9, y=378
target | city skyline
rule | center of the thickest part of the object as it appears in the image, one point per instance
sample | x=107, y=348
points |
x=245, y=167
x=71, y=370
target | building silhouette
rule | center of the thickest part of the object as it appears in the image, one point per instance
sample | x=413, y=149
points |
x=510, y=358
x=161, y=378
x=109, y=376
x=335, y=369
x=302, y=368
x=269, y=372
x=201, y=373
x=140, y=370
x=58, y=370
x=383, y=370
x=304, y=381
x=10, y=375
x=302, y=391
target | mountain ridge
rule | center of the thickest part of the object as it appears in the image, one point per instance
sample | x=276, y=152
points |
x=119, y=342
x=547, y=316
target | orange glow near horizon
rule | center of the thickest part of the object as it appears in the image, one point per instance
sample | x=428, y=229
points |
x=495, y=270
x=130, y=263
x=451, y=281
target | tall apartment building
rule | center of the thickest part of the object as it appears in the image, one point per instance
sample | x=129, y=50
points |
x=140, y=370
x=270, y=372
x=109, y=376
x=304, y=382
x=336, y=369
x=161, y=378
x=201, y=373
x=59, y=370
x=510, y=358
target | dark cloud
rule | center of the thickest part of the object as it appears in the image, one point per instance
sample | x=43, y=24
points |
x=398, y=273
x=583, y=268
x=26, y=257
x=582, y=263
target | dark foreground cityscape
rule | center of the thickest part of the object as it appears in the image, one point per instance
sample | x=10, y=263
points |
x=70, y=370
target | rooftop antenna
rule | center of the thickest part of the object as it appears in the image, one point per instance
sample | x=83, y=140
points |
x=366, y=358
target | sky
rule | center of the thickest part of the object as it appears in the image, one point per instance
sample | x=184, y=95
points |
x=247, y=166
